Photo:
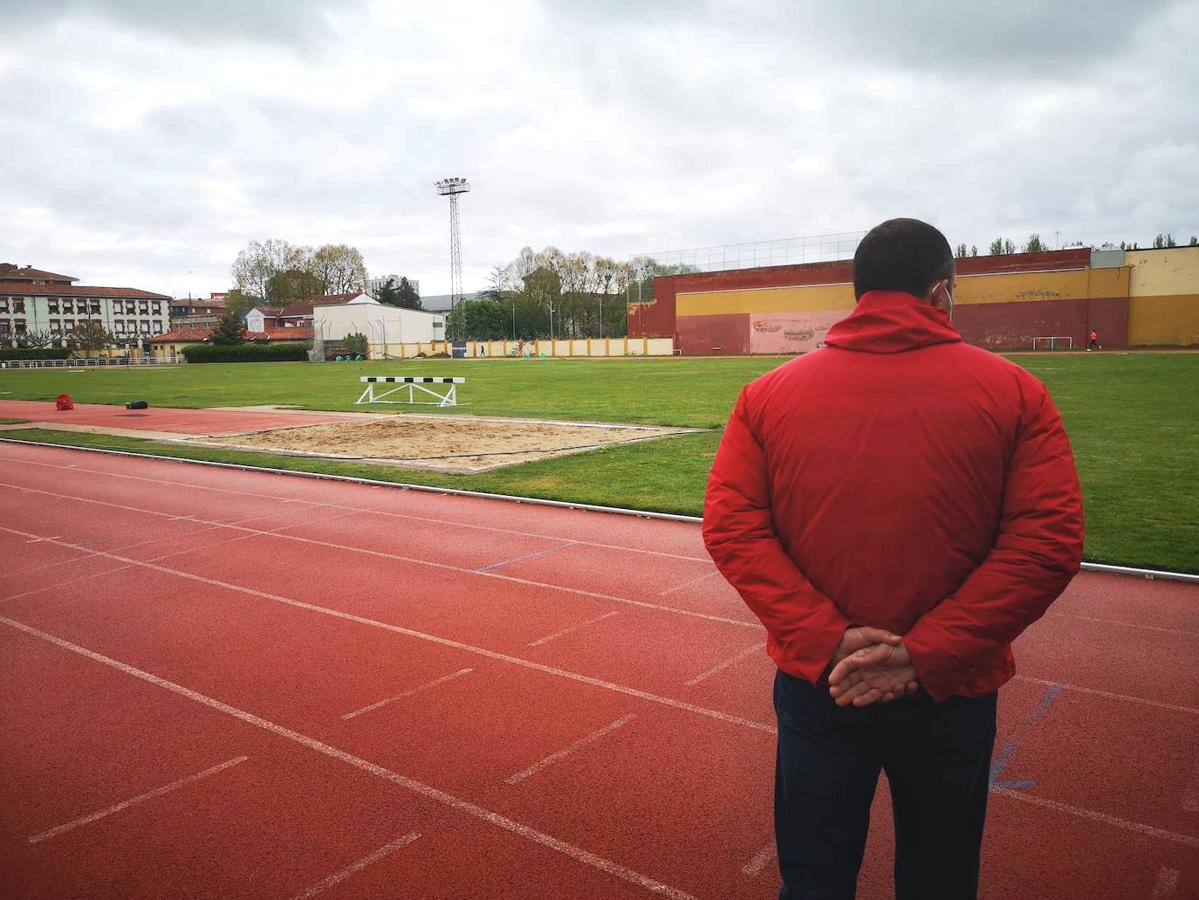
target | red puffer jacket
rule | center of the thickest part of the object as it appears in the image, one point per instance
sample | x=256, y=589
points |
x=902, y=479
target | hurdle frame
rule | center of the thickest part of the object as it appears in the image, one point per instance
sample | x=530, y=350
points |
x=412, y=384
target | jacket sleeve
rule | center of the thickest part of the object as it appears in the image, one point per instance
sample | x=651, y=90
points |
x=1037, y=551
x=739, y=534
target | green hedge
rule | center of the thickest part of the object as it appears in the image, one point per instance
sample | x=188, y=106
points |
x=31, y=353
x=286, y=351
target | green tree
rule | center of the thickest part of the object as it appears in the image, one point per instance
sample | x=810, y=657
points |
x=1164, y=241
x=960, y=251
x=337, y=269
x=974, y=249
x=486, y=320
x=389, y=293
x=406, y=294
x=230, y=329
x=291, y=286
x=997, y=247
x=1194, y=241
x=239, y=303
x=90, y=336
x=1034, y=245
x=357, y=343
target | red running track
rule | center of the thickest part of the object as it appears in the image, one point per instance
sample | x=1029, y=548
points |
x=163, y=419
x=226, y=683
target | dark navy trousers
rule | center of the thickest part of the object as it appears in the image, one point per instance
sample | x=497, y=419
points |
x=937, y=757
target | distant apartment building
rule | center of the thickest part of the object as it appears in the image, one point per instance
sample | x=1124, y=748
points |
x=185, y=312
x=34, y=301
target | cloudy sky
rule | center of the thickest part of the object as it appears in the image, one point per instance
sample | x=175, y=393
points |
x=149, y=140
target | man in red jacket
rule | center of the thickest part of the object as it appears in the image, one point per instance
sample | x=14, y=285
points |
x=895, y=508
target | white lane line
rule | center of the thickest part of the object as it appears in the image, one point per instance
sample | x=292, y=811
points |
x=439, y=796
x=416, y=690
x=101, y=553
x=731, y=661
x=1179, y=631
x=687, y=584
x=567, y=751
x=761, y=859
x=355, y=867
x=1095, y=816
x=1166, y=884
x=1127, y=697
x=133, y=801
x=571, y=630
x=378, y=512
x=448, y=567
x=457, y=645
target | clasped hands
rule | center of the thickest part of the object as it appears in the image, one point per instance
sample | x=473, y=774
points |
x=871, y=665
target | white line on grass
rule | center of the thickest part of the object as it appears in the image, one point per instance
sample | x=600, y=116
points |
x=449, y=567
x=731, y=661
x=133, y=801
x=1096, y=816
x=416, y=690
x=571, y=630
x=355, y=867
x=438, y=796
x=566, y=751
x=447, y=642
x=761, y=859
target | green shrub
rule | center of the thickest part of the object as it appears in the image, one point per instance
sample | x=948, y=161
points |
x=356, y=343
x=285, y=351
x=34, y=353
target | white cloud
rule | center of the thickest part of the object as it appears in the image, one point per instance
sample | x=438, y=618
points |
x=157, y=138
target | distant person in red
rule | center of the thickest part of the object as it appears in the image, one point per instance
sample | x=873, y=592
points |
x=895, y=508
x=1094, y=344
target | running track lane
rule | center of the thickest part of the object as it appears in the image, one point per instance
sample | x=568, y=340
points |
x=249, y=684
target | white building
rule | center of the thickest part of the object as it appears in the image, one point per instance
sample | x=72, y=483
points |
x=36, y=301
x=382, y=324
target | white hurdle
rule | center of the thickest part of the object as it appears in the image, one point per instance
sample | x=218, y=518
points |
x=410, y=383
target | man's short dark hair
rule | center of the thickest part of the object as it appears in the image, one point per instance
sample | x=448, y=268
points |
x=901, y=255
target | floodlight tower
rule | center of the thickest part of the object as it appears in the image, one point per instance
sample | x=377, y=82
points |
x=452, y=188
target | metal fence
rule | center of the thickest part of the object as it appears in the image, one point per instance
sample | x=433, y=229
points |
x=89, y=363
x=753, y=254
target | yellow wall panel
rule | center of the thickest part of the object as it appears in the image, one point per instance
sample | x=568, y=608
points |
x=808, y=298
x=1162, y=273
x=1108, y=283
x=1171, y=320
x=1022, y=287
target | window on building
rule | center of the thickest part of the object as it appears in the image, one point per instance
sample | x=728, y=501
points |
x=68, y=306
x=143, y=308
x=18, y=305
x=20, y=327
x=93, y=306
x=157, y=308
x=52, y=306
x=55, y=325
x=68, y=327
x=158, y=328
x=5, y=326
x=144, y=327
x=3, y=304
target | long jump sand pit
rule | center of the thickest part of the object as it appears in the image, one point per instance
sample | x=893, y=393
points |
x=462, y=444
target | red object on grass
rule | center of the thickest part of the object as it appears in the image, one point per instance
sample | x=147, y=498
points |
x=64, y=402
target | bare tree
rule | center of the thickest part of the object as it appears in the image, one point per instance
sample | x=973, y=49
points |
x=339, y=268
x=90, y=336
x=260, y=261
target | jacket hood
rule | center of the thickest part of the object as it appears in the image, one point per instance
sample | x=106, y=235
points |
x=891, y=322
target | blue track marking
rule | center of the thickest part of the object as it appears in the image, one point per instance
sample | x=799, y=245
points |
x=1000, y=762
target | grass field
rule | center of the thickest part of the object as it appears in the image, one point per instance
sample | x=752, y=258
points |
x=1133, y=420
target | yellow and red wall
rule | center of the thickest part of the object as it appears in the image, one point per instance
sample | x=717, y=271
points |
x=1150, y=297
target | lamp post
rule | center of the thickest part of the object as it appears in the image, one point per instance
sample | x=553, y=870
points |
x=453, y=188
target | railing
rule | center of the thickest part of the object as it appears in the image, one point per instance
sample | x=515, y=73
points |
x=90, y=363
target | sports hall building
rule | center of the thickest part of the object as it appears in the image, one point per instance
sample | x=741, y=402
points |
x=1134, y=298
